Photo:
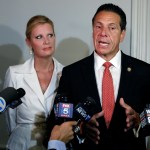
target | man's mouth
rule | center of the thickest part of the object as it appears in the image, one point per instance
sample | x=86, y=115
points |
x=102, y=43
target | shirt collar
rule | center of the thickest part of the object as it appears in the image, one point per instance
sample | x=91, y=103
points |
x=99, y=61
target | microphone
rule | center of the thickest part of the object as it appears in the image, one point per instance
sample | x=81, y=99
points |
x=10, y=97
x=145, y=121
x=65, y=111
x=84, y=111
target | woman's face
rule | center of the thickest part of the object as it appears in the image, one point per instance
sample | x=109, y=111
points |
x=42, y=40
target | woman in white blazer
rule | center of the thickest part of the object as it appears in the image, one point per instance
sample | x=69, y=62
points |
x=39, y=77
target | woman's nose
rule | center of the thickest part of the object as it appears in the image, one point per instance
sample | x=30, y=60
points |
x=46, y=41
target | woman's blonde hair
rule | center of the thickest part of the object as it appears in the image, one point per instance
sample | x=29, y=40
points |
x=36, y=20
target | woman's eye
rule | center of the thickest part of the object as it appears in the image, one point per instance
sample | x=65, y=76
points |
x=38, y=37
x=51, y=35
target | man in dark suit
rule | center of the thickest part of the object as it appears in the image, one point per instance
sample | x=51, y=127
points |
x=131, y=81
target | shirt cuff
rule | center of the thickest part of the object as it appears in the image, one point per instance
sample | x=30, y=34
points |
x=136, y=131
x=56, y=144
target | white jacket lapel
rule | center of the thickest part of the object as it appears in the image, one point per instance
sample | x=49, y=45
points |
x=31, y=79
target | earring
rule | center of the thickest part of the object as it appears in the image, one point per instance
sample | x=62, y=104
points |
x=31, y=51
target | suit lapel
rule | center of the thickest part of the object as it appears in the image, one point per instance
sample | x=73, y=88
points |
x=90, y=79
x=126, y=76
x=31, y=79
x=52, y=86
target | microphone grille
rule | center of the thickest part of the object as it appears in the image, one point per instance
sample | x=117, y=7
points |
x=21, y=92
x=91, y=100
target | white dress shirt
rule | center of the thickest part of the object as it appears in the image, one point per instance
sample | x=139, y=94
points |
x=115, y=70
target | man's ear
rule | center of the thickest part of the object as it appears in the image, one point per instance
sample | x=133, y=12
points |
x=123, y=33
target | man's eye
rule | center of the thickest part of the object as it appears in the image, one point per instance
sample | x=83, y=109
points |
x=38, y=37
x=98, y=27
x=112, y=28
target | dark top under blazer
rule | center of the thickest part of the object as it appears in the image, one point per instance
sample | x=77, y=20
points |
x=78, y=81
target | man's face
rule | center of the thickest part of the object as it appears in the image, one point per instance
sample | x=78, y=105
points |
x=107, y=34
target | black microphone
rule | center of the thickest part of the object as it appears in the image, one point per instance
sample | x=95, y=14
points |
x=145, y=121
x=65, y=111
x=10, y=97
x=84, y=111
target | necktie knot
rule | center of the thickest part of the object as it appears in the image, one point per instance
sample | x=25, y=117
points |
x=107, y=64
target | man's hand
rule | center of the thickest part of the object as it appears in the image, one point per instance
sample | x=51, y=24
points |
x=63, y=132
x=132, y=117
x=91, y=128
